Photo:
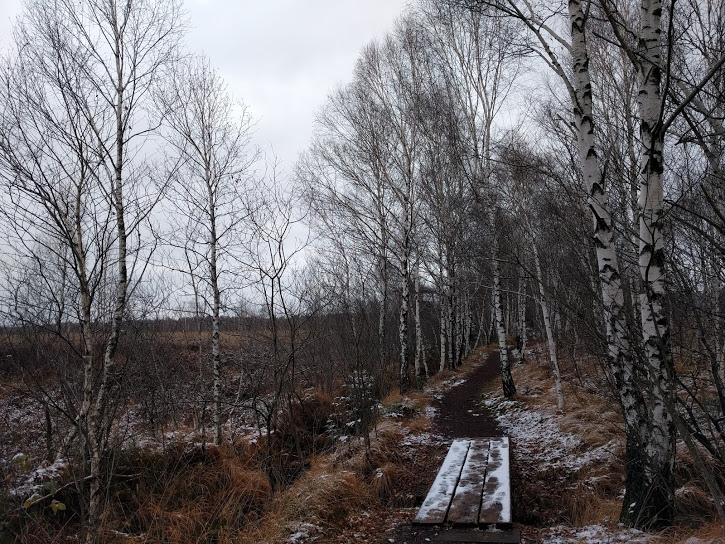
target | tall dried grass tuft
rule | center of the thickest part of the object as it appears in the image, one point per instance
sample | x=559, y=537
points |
x=383, y=480
x=191, y=496
x=322, y=496
x=591, y=415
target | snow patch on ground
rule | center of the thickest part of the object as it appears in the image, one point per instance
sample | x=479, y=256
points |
x=33, y=484
x=539, y=438
x=445, y=385
x=532, y=429
x=422, y=439
x=594, y=534
x=303, y=532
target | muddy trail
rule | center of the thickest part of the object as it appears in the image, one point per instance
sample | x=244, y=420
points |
x=459, y=414
x=459, y=411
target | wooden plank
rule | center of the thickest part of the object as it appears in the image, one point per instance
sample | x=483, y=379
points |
x=496, y=504
x=435, y=506
x=466, y=501
x=497, y=536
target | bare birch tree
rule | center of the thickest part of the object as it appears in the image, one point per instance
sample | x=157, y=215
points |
x=73, y=94
x=212, y=158
x=481, y=61
x=640, y=490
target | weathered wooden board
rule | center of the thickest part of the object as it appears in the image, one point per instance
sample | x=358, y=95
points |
x=506, y=536
x=466, y=501
x=472, y=487
x=435, y=506
x=496, y=504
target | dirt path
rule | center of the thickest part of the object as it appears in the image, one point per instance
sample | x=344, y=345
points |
x=460, y=414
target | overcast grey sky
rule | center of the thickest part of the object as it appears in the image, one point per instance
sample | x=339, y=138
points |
x=281, y=57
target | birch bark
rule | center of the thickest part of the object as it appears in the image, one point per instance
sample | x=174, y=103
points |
x=551, y=342
x=216, y=308
x=507, y=380
x=522, y=317
x=443, y=334
x=404, y=375
x=658, y=504
x=646, y=501
x=96, y=417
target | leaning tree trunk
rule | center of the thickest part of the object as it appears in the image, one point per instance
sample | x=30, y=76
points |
x=522, y=317
x=551, y=342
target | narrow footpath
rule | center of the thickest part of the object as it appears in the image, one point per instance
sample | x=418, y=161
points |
x=459, y=411
x=459, y=414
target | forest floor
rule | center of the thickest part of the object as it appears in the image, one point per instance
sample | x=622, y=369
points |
x=566, y=467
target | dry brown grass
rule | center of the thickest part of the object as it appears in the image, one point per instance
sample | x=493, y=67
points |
x=189, y=496
x=321, y=497
x=338, y=484
x=418, y=425
x=595, y=495
x=394, y=397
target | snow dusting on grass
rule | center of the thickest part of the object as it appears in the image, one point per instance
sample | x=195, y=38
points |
x=531, y=429
x=33, y=484
x=414, y=440
x=594, y=534
x=304, y=531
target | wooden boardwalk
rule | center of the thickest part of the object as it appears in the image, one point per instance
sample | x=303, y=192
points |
x=473, y=486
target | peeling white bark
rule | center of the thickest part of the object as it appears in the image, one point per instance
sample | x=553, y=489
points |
x=655, y=325
x=509, y=389
x=522, y=316
x=420, y=377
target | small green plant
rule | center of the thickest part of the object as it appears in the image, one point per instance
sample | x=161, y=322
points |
x=57, y=506
x=356, y=408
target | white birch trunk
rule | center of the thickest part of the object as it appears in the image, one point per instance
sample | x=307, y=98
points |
x=719, y=375
x=522, y=316
x=551, y=342
x=404, y=377
x=450, y=329
x=509, y=389
x=216, y=306
x=659, y=506
x=481, y=325
x=443, y=334
x=460, y=328
x=468, y=324
x=618, y=346
x=97, y=415
x=420, y=377
x=382, y=331
x=424, y=358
